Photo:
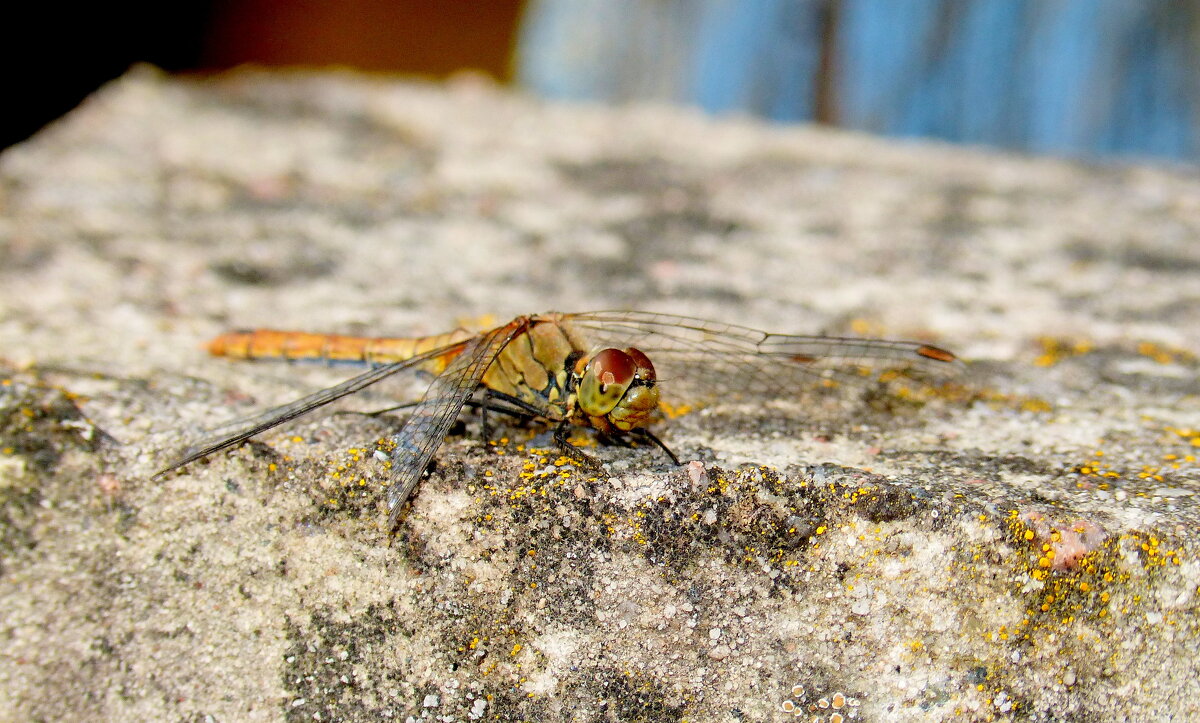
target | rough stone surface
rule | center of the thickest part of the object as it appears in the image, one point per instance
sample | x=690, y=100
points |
x=1017, y=545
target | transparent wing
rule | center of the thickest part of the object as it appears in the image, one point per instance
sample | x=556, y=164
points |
x=699, y=360
x=421, y=436
x=240, y=430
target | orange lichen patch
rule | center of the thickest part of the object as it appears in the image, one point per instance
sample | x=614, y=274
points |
x=1160, y=468
x=1150, y=471
x=1164, y=354
x=866, y=327
x=1153, y=553
x=888, y=376
x=349, y=481
x=1033, y=404
x=962, y=394
x=1062, y=546
x=1055, y=350
x=1095, y=472
x=1177, y=454
x=671, y=411
x=1186, y=434
x=1116, y=578
x=581, y=440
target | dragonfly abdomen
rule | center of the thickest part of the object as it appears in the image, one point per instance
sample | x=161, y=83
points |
x=326, y=348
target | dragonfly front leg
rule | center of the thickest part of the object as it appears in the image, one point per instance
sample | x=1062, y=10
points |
x=647, y=435
x=641, y=435
x=575, y=453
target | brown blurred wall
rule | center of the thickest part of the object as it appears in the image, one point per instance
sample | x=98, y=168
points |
x=433, y=38
x=61, y=56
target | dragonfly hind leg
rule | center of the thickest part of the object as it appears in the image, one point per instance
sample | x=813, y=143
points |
x=518, y=410
x=640, y=435
x=651, y=437
x=513, y=407
x=575, y=453
x=524, y=415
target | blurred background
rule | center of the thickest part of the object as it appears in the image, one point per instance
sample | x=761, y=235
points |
x=1078, y=78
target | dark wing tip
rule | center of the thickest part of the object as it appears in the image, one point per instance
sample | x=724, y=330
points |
x=936, y=354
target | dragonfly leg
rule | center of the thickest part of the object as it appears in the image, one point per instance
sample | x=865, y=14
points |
x=513, y=407
x=647, y=435
x=523, y=413
x=641, y=435
x=613, y=440
x=575, y=453
x=485, y=433
x=470, y=403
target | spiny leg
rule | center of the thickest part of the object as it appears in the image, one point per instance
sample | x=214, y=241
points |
x=640, y=435
x=575, y=453
x=513, y=407
x=613, y=440
x=471, y=403
x=525, y=413
x=492, y=401
x=647, y=435
x=522, y=414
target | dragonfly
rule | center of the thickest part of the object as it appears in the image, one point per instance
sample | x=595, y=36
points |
x=611, y=371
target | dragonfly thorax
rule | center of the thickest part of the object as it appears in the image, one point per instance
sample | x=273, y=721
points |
x=618, y=389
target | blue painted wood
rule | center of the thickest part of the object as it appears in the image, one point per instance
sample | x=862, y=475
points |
x=1076, y=77
x=759, y=56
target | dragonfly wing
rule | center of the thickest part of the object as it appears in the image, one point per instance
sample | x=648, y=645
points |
x=703, y=360
x=419, y=439
x=240, y=430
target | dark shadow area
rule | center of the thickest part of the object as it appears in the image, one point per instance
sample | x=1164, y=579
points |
x=55, y=56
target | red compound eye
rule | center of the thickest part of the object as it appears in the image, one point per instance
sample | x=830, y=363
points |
x=645, y=369
x=605, y=379
x=613, y=366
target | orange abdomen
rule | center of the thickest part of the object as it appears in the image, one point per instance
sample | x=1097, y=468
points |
x=331, y=348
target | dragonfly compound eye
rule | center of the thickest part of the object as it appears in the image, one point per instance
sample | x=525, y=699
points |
x=645, y=369
x=605, y=380
x=640, y=403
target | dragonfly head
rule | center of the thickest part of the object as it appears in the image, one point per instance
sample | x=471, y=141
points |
x=619, y=386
